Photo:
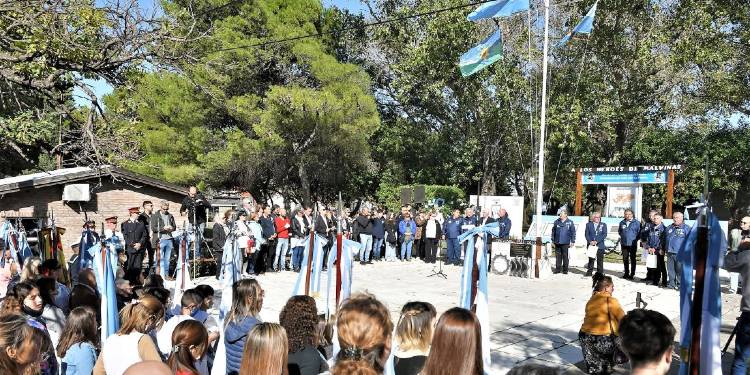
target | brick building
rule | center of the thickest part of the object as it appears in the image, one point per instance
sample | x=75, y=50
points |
x=33, y=199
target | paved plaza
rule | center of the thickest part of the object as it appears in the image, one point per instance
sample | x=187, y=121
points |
x=532, y=320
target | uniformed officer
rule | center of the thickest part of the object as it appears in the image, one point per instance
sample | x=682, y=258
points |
x=563, y=235
x=135, y=237
x=504, y=224
x=452, y=231
x=629, y=231
x=655, y=245
x=596, y=232
x=675, y=237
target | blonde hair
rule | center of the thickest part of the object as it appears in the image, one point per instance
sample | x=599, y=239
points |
x=141, y=315
x=414, y=329
x=364, y=329
x=266, y=351
x=31, y=269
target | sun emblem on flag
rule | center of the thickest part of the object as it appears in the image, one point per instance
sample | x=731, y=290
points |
x=485, y=53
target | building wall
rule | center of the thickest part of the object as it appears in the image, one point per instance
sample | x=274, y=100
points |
x=108, y=199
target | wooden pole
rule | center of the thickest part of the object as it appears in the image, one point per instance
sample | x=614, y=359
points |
x=670, y=193
x=579, y=192
x=701, y=253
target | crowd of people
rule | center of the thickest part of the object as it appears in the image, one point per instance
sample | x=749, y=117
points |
x=41, y=335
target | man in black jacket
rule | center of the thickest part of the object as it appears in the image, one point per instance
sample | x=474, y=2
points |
x=268, y=249
x=145, y=218
x=195, y=206
x=325, y=227
x=364, y=229
x=134, y=233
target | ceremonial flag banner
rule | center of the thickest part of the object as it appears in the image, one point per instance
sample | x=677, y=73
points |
x=710, y=347
x=104, y=266
x=483, y=55
x=583, y=27
x=183, y=281
x=481, y=300
x=500, y=8
x=85, y=258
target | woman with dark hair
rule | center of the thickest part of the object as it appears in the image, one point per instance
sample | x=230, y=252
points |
x=599, y=329
x=22, y=342
x=364, y=329
x=53, y=315
x=457, y=331
x=78, y=342
x=299, y=317
x=247, y=300
x=32, y=307
x=189, y=344
x=414, y=337
x=266, y=351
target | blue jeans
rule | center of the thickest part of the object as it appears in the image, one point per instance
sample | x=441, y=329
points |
x=742, y=345
x=454, y=250
x=282, y=248
x=165, y=252
x=674, y=269
x=390, y=251
x=366, y=241
x=406, y=249
x=377, y=244
x=297, y=253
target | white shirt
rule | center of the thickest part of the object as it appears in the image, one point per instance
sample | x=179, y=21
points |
x=164, y=336
x=431, y=229
x=120, y=352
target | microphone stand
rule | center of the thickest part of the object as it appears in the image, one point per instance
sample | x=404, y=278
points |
x=439, y=271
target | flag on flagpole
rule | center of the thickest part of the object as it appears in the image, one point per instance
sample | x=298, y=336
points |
x=85, y=258
x=330, y=274
x=104, y=266
x=482, y=55
x=182, y=278
x=317, y=271
x=231, y=263
x=499, y=8
x=583, y=27
x=685, y=255
x=347, y=261
x=481, y=300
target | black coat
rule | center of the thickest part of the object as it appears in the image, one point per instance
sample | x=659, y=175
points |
x=219, y=237
x=134, y=232
x=324, y=226
x=297, y=229
x=199, y=203
x=364, y=225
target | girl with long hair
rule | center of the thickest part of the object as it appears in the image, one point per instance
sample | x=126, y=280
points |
x=78, y=342
x=414, y=337
x=266, y=351
x=364, y=329
x=189, y=345
x=247, y=300
x=22, y=342
x=299, y=317
x=132, y=343
x=457, y=331
x=28, y=296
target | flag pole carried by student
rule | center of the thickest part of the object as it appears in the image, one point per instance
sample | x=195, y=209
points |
x=104, y=266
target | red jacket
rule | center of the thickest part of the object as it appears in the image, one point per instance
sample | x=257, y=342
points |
x=282, y=226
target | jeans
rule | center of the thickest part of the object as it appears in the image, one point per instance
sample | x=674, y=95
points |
x=366, y=241
x=454, y=250
x=282, y=248
x=674, y=270
x=297, y=253
x=377, y=243
x=390, y=251
x=742, y=345
x=165, y=252
x=628, y=259
x=406, y=249
x=561, y=257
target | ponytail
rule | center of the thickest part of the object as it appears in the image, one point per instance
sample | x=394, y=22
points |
x=600, y=282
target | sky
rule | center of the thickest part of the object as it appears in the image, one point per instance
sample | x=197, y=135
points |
x=101, y=87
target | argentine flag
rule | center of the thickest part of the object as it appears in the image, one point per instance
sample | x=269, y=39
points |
x=499, y=8
x=583, y=27
x=482, y=55
x=317, y=266
x=104, y=267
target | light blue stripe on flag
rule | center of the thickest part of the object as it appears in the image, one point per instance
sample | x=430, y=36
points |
x=499, y=8
x=584, y=27
x=482, y=55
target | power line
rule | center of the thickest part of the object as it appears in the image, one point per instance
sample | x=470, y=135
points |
x=371, y=24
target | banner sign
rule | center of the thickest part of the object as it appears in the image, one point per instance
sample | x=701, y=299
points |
x=647, y=174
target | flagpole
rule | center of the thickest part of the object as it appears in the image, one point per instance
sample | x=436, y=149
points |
x=701, y=258
x=310, y=250
x=339, y=246
x=540, y=172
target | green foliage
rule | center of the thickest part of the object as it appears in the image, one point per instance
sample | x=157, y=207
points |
x=390, y=196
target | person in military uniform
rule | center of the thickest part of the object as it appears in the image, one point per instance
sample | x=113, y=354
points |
x=451, y=232
x=135, y=237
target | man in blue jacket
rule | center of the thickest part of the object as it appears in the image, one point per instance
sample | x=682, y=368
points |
x=675, y=237
x=646, y=227
x=503, y=224
x=452, y=230
x=655, y=245
x=596, y=232
x=563, y=235
x=629, y=230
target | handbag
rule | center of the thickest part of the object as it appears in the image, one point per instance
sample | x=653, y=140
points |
x=591, y=251
x=618, y=356
x=651, y=261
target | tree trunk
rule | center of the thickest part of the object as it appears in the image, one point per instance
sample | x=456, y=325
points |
x=305, y=185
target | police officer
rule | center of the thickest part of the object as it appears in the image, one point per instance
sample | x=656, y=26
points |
x=629, y=230
x=596, y=232
x=563, y=235
x=452, y=231
x=655, y=245
x=675, y=237
x=504, y=224
x=135, y=237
